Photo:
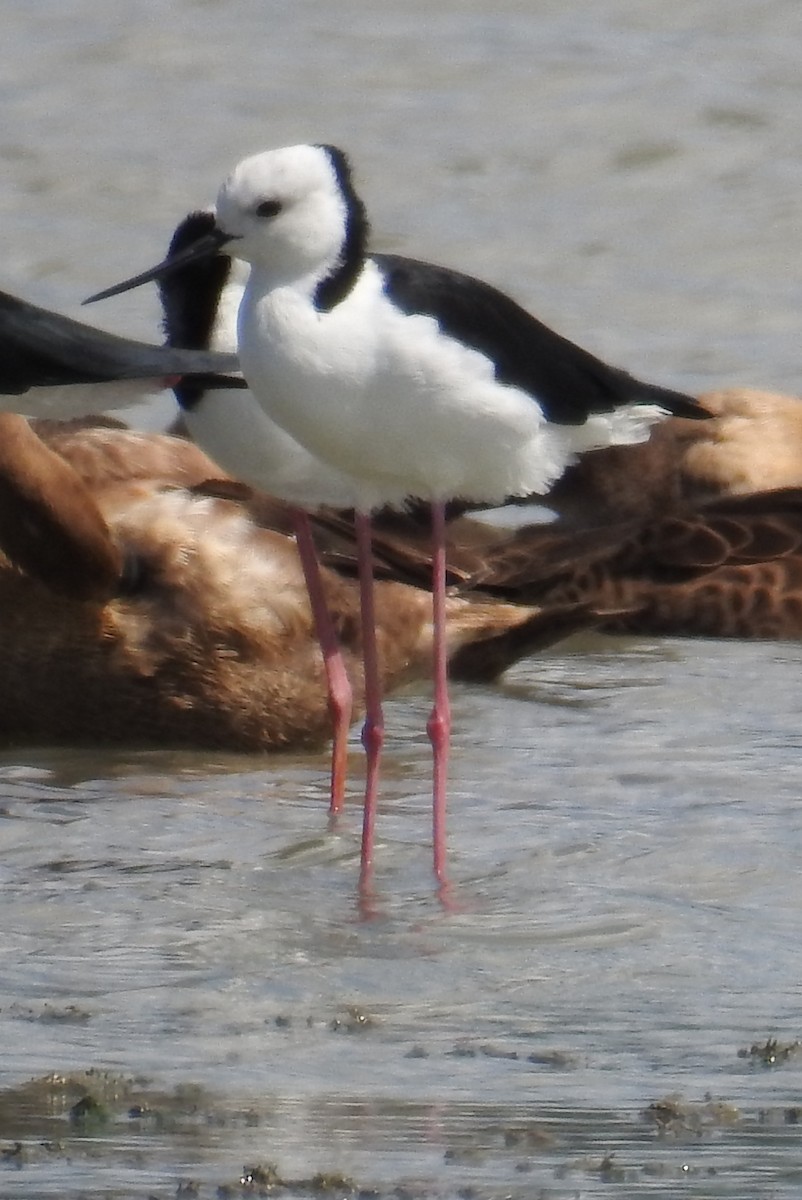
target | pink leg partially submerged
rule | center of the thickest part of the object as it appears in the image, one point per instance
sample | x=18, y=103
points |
x=339, y=685
x=439, y=724
x=373, y=729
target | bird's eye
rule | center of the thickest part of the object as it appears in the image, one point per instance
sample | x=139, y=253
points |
x=268, y=208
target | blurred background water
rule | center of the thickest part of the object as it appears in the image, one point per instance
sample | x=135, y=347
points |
x=625, y=822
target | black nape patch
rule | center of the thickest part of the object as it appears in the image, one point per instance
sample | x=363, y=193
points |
x=338, y=283
x=190, y=297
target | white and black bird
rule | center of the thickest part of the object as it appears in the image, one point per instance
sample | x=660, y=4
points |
x=411, y=379
x=201, y=302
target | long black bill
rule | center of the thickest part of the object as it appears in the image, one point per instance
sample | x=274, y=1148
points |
x=205, y=247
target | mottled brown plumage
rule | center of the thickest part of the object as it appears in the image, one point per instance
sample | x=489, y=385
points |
x=205, y=639
x=151, y=601
x=37, y=487
x=752, y=443
x=729, y=568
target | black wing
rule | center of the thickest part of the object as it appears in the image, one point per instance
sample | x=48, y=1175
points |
x=569, y=383
x=39, y=348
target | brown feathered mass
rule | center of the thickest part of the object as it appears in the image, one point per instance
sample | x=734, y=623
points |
x=708, y=517
x=752, y=444
x=143, y=608
x=145, y=600
x=731, y=567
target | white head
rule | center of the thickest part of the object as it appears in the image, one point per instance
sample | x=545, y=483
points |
x=292, y=212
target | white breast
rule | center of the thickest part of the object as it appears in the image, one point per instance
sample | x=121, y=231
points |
x=238, y=434
x=234, y=431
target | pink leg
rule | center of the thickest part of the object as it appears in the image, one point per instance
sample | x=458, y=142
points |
x=339, y=685
x=373, y=729
x=439, y=724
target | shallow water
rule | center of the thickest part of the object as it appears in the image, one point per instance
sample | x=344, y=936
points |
x=625, y=824
x=624, y=920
